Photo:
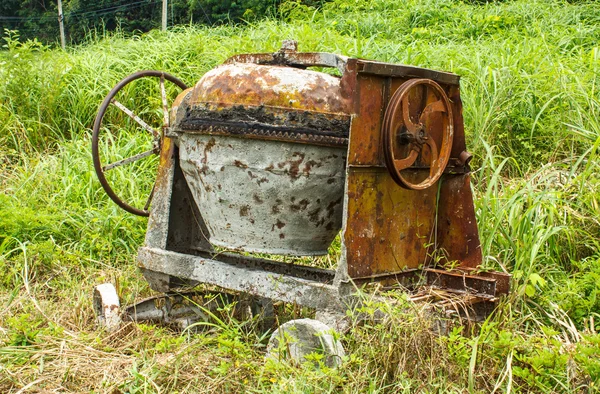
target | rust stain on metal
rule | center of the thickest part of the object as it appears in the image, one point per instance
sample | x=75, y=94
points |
x=457, y=227
x=275, y=209
x=301, y=206
x=292, y=167
x=239, y=164
x=256, y=85
x=244, y=210
x=389, y=228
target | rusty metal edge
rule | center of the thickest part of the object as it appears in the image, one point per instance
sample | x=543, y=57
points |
x=400, y=70
x=293, y=59
x=263, y=134
x=486, y=285
x=324, y=59
x=461, y=282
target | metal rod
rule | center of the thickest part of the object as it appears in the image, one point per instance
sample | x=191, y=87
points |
x=163, y=95
x=147, y=205
x=131, y=159
x=133, y=116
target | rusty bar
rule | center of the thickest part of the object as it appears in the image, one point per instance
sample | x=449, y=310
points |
x=502, y=279
x=402, y=71
x=133, y=116
x=413, y=278
x=461, y=282
x=158, y=221
x=315, y=274
x=454, y=167
x=149, y=200
x=130, y=160
x=457, y=233
x=267, y=134
x=293, y=59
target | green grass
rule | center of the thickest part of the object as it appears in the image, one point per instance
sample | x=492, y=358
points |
x=532, y=113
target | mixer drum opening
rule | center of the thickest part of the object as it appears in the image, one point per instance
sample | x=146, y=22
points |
x=263, y=150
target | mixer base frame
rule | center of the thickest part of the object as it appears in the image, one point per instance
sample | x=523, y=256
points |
x=177, y=253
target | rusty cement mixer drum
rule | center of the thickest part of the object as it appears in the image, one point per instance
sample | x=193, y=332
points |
x=263, y=150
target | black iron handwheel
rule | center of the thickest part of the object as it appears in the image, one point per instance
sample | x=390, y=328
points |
x=153, y=129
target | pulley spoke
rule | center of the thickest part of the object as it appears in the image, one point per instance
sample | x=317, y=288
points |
x=131, y=159
x=133, y=116
x=436, y=106
x=408, y=161
x=406, y=116
x=102, y=134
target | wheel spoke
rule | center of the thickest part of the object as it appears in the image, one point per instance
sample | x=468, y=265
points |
x=406, y=116
x=436, y=106
x=128, y=160
x=133, y=116
x=147, y=205
x=165, y=104
x=407, y=161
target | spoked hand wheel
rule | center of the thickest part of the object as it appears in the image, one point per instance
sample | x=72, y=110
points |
x=126, y=144
x=417, y=121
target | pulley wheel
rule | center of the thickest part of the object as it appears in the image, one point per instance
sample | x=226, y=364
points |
x=417, y=134
x=127, y=137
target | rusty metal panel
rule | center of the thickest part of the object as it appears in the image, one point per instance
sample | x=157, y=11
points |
x=459, y=144
x=388, y=228
x=457, y=233
x=365, y=129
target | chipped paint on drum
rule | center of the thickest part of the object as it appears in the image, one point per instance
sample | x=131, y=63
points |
x=265, y=196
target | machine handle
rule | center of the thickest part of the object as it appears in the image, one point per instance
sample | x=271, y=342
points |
x=288, y=56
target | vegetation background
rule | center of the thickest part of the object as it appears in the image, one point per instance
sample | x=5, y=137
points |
x=39, y=18
x=530, y=72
